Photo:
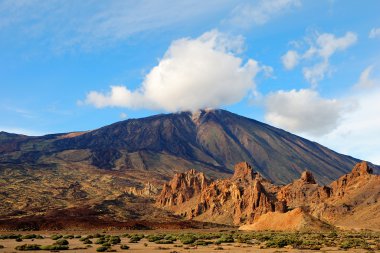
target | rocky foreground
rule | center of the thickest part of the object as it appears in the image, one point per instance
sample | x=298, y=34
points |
x=249, y=200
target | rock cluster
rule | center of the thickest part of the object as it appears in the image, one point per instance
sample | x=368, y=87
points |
x=246, y=196
x=239, y=199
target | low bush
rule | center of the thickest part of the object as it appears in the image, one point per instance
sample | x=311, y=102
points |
x=188, y=239
x=163, y=241
x=26, y=247
x=124, y=246
x=202, y=242
x=61, y=242
x=153, y=238
x=102, y=249
x=135, y=238
x=225, y=238
x=87, y=241
x=30, y=236
x=10, y=236
x=114, y=240
x=281, y=241
x=100, y=241
x=54, y=247
x=56, y=237
x=354, y=243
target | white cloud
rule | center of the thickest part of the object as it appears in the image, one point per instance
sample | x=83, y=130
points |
x=303, y=111
x=319, y=52
x=290, y=59
x=123, y=115
x=193, y=74
x=316, y=73
x=365, y=81
x=328, y=44
x=358, y=134
x=374, y=33
x=260, y=12
x=350, y=125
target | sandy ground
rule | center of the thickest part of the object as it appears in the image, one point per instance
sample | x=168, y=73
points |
x=10, y=244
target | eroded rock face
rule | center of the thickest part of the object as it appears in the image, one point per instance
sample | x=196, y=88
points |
x=182, y=188
x=360, y=172
x=239, y=199
x=247, y=196
x=303, y=191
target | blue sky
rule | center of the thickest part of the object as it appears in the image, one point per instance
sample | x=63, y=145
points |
x=309, y=67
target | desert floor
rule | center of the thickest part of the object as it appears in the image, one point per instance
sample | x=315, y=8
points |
x=265, y=242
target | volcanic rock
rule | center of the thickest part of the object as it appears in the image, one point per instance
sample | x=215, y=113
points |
x=243, y=198
x=182, y=188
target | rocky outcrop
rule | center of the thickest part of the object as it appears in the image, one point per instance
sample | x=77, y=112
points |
x=149, y=190
x=359, y=175
x=303, y=192
x=181, y=188
x=242, y=198
x=248, y=198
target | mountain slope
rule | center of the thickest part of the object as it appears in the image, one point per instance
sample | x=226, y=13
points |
x=211, y=141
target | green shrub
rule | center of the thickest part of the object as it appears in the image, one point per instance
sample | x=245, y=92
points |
x=188, y=239
x=114, y=240
x=54, y=247
x=100, y=241
x=354, y=243
x=163, y=241
x=10, y=236
x=87, y=241
x=281, y=241
x=61, y=242
x=56, y=237
x=107, y=244
x=153, y=238
x=225, y=238
x=124, y=246
x=135, y=238
x=18, y=239
x=26, y=247
x=31, y=236
x=202, y=242
x=102, y=249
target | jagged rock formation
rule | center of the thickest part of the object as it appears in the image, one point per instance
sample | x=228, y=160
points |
x=182, y=188
x=248, y=198
x=239, y=199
